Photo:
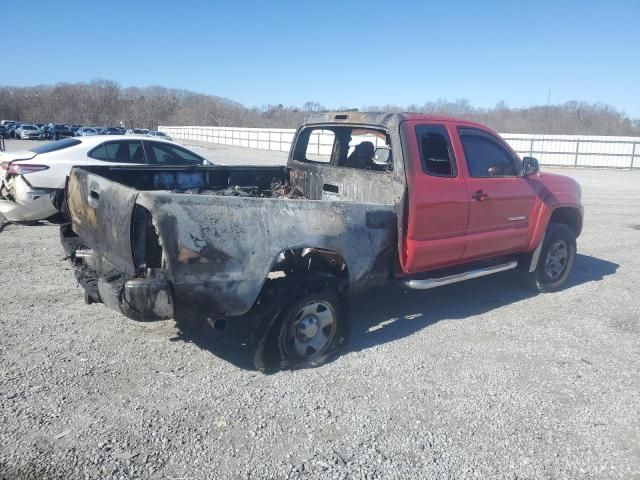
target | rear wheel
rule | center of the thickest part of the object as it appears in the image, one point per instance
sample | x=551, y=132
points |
x=556, y=260
x=307, y=332
x=308, y=329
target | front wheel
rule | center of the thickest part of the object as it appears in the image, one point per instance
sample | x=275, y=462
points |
x=556, y=260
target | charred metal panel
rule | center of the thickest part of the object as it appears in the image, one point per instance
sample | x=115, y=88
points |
x=101, y=213
x=347, y=184
x=219, y=250
x=312, y=175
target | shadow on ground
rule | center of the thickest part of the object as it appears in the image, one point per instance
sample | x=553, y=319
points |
x=387, y=314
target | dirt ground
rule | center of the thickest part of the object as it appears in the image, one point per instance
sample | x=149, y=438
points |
x=484, y=379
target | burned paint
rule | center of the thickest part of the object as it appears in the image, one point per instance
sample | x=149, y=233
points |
x=216, y=232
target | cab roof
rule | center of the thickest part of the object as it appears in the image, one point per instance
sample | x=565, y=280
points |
x=384, y=118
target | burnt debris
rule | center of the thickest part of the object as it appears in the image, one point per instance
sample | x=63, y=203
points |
x=277, y=189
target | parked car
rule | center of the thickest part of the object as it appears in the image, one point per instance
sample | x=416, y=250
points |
x=156, y=133
x=31, y=181
x=417, y=199
x=115, y=131
x=55, y=131
x=137, y=131
x=87, y=131
x=27, y=131
x=12, y=130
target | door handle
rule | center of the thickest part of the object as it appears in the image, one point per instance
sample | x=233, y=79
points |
x=93, y=198
x=479, y=195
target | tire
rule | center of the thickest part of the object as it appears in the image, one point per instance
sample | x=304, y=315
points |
x=311, y=330
x=280, y=343
x=556, y=260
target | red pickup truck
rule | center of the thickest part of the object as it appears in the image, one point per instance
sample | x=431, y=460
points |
x=365, y=198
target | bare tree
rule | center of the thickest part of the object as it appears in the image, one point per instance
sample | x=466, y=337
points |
x=104, y=103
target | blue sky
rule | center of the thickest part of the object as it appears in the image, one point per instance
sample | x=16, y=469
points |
x=337, y=53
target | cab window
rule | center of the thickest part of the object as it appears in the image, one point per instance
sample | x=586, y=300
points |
x=435, y=150
x=485, y=156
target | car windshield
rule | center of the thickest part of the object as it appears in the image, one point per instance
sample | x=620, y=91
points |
x=29, y=127
x=54, y=146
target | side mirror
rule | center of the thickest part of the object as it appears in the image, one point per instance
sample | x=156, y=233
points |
x=531, y=166
x=382, y=156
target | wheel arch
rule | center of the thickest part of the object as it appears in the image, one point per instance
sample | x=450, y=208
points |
x=295, y=272
x=566, y=215
x=569, y=216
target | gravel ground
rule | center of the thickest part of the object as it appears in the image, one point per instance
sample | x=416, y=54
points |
x=483, y=379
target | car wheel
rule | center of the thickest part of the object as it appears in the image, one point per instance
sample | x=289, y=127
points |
x=311, y=330
x=556, y=260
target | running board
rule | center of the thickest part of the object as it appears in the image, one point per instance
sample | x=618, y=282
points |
x=427, y=283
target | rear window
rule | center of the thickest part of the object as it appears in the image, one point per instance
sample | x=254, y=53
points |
x=55, y=146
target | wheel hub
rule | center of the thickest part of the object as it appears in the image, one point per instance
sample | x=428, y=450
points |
x=308, y=327
x=557, y=259
x=311, y=330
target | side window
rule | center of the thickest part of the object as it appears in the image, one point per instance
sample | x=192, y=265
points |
x=485, y=156
x=435, y=150
x=99, y=153
x=364, y=150
x=319, y=146
x=167, y=154
x=127, y=151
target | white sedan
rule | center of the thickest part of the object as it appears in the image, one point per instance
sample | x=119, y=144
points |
x=32, y=182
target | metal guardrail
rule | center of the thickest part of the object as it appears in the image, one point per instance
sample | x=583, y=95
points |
x=565, y=150
x=632, y=156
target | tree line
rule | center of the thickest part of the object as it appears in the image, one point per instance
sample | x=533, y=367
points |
x=106, y=103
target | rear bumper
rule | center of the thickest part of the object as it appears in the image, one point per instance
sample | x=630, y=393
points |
x=30, y=204
x=37, y=209
x=144, y=298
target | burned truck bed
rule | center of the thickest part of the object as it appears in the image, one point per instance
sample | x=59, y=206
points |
x=201, y=241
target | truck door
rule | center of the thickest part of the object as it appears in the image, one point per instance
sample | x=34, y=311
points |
x=438, y=203
x=501, y=201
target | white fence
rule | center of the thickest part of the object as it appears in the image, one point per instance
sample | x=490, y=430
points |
x=560, y=150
